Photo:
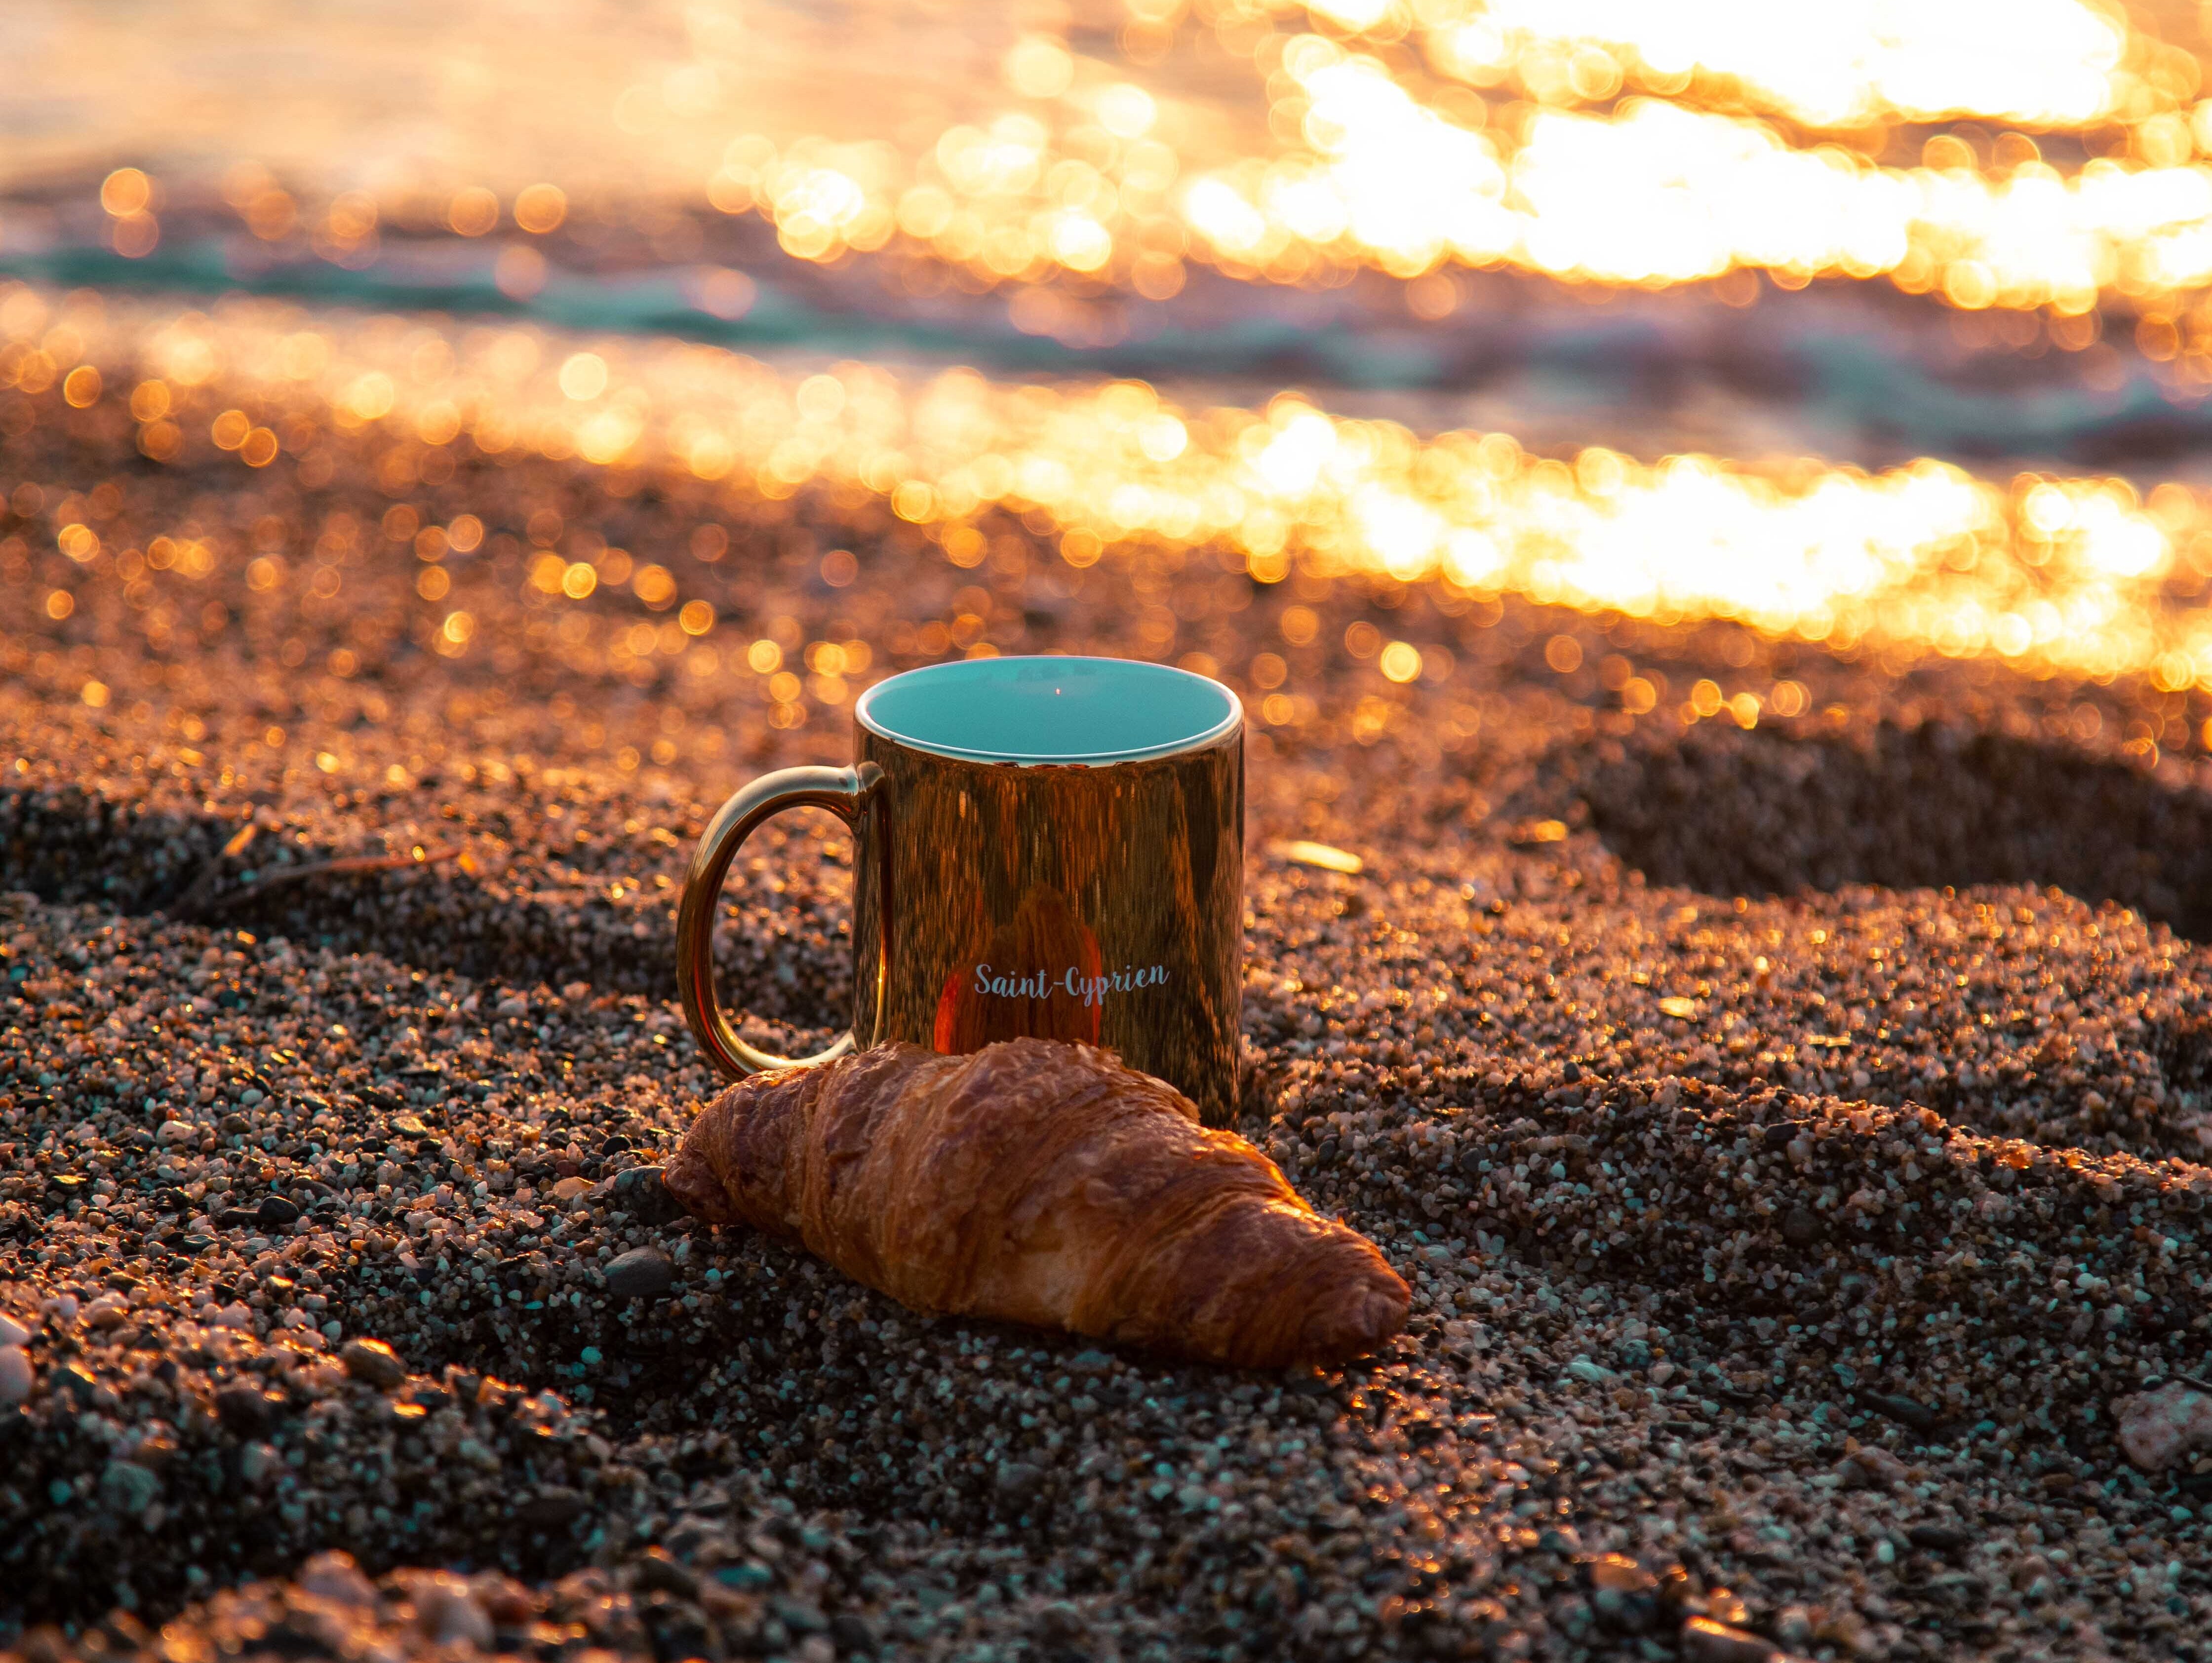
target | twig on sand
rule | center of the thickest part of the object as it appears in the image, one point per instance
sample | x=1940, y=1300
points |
x=345, y=866
x=193, y=901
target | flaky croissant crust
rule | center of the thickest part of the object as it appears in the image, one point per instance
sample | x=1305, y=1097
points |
x=1040, y=1182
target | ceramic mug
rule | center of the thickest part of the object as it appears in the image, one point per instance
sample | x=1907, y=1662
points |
x=1049, y=846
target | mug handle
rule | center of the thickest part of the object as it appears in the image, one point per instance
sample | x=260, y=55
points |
x=848, y=794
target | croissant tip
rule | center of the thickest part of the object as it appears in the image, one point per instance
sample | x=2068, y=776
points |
x=1357, y=1320
x=695, y=1187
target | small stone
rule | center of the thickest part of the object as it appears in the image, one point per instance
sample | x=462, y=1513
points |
x=2157, y=1429
x=1802, y=1227
x=658, y=1569
x=1058, y=1623
x=334, y=1576
x=798, y=1616
x=854, y=1635
x=1621, y=1573
x=1915, y=1417
x=509, y=1603
x=448, y=1613
x=570, y=1189
x=641, y=1193
x=1726, y=1606
x=1704, y=1640
x=553, y=1506
x=1090, y=1363
x=1018, y=1480
x=1870, y=1468
x=82, y=1386
x=1938, y=1539
x=275, y=1212
x=675, y=1626
x=640, y=1274
x=128, y=1488
x=13, y=1333
x=374, y=1362
x=236, y=1218
x=242, y=1408
x=108, y=1311
x=16, y=1376
x=1625, y=1595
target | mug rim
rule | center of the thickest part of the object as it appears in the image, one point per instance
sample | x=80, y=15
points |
x=1231, y=722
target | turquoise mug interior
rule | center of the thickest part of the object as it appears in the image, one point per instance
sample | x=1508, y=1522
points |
x=1060, y=710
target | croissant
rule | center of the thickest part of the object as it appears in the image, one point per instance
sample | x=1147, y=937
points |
x=1040, y=1182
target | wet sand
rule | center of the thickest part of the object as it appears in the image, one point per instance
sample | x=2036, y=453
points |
x=1791, y=1133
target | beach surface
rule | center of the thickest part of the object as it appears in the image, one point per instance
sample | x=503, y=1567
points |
x=1780, y=1071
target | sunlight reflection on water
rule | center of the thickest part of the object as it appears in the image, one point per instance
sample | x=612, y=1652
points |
x=1991, y=159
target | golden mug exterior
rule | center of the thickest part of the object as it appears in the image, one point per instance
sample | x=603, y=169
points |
x=1094, y=901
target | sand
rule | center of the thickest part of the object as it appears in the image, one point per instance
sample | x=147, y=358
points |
x=1791, y=1133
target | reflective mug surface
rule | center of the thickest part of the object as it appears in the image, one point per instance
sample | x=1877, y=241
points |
x=1051, y=847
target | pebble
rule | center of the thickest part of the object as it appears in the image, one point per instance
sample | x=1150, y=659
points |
x=1904, y=1411
x=1802, y=1227
x=1704, y=1640
x=128, y=1488
x=640, y=1274
x=640, y=1192
x=373, y=1363
x=1616, y=1572
x=17, y=1377
x=1873, y=1466
x=1939, y=1538
x=243, y=1409
x=333, y=1576
x=447, y=1610
x=854, y=1635
x=660, y=1568
x=2157, y=1429
x=553, y=1505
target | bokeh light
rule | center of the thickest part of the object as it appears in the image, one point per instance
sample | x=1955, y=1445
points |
x=2082, y=575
